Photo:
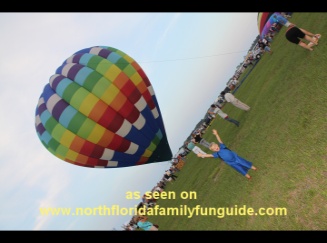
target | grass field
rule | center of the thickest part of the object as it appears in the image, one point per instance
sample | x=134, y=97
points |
x=284, y=135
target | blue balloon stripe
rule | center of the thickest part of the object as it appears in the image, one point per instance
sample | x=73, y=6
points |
x=56, y=80
x=67, y=115
x=82, y=75
x=47, y=93
x=85, y=50
x=46, y=137
x=73, y=70
x=62, y=86
x=84, y=60
x=45, y=116
x=58, y=108
x=113, y=57
x=135, y=136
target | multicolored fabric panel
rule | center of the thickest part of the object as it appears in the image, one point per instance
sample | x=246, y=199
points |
x=265, y=21
x=99, y=110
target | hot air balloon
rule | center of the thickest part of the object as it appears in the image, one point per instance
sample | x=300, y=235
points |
x=99, y=110
x=265, y=21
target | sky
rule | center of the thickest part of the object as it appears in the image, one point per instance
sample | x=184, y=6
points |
x=188, y=58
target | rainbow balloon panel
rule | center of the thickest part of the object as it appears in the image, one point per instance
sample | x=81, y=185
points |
x=265, y=21
x=99, y=110
x=262, y=19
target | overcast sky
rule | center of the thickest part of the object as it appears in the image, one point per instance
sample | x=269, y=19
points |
x=188, y=57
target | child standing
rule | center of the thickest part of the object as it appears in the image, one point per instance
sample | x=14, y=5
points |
x=230, y=157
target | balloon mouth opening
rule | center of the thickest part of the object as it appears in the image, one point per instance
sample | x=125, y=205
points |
x=162, y=152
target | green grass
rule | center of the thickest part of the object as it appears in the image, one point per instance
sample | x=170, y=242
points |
x=284, y=135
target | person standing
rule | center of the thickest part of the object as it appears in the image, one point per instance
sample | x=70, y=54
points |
x=216, y=110
x=170, y=174
x=264, y=45
x=230, y=98
x=145, y=224
x=191, y=146
x=197, y=138
x=296, y=35
x=230, y=157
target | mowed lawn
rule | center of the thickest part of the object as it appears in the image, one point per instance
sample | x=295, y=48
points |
x=284, y=135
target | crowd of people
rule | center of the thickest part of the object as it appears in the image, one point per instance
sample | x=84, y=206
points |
x=294, y=34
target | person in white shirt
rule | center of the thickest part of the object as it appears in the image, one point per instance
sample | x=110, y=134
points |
x=213, y=110
x=230, y=98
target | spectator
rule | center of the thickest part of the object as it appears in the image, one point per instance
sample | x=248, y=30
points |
x=197, y=138
x=274, y=28
x=230, y=157
x=169, y=176
x=286, y=14
x=207, y=121
x=191, y=146
x=223, y=115
x=235, y=81
x=264, y=45
x=144, y=223
x=268, y=37
x=148, y=202
x=234, y=101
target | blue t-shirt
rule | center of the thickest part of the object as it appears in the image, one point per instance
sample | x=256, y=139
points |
x=190, y=145
x=145, y=225
x=280, y=19
x=225, y=154
x=231, y=158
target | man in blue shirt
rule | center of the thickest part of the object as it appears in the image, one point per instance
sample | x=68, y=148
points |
x=230, y=157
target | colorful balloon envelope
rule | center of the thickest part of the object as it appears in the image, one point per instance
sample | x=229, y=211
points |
x=99, y=110
x=265, y=21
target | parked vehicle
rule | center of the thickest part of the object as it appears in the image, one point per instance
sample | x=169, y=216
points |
x=256, y=52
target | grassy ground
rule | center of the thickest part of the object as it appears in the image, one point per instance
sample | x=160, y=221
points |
x=284, y=135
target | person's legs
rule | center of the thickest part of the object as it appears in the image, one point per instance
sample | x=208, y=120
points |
x=241, y=105
x=314, y=40
x=153, y=228
x=308, y=36
x=173, y=176
x=294, y=34
x=267, y=49
x=305, y=46
x=232, y=121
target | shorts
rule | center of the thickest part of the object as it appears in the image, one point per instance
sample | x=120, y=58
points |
x=293, y=34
